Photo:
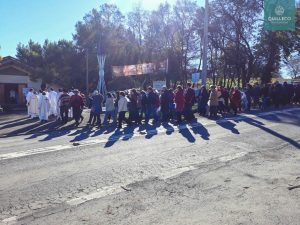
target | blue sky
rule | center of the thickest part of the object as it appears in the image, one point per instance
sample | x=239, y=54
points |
x=21, y=20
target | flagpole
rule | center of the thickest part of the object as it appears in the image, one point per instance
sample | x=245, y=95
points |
x=205, y=45
x=167, y=73
x=87, y=71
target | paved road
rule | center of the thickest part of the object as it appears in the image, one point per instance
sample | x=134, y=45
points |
x=230, y=171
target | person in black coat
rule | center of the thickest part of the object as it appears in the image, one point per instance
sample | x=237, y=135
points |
x=143, y=104
x=249, y=94
x=202, y=100
x=165, y=104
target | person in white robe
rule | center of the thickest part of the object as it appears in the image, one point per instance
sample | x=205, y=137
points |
x=47, y=95
x=35, y=103
x=53, y=102
x=32, y=104
x=28, y=97
x=58, y=104
x=43, y=106
x=40, y=94
x=71, y=93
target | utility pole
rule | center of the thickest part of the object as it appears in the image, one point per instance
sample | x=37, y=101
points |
x=205, y=45
x=87, y=71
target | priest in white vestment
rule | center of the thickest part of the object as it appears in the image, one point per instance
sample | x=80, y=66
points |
x=71, y=93
x=32, y=104
x=28, y=97
x=58, y=104
x=44, y=107
x=53, y=102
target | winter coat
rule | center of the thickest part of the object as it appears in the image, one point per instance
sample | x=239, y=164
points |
x=157, y=102
x=255, y=91
x=144, y=101
x=189, y=96
x=164, y=101
x=236, y=98
x=122, y=104
x=151, y=99
x=179, y=100
x=76, y=101
x=213, y=98
x=97, y=104
x=203, y=97
x=109, y=104
x=133, y=101
x=297, y=91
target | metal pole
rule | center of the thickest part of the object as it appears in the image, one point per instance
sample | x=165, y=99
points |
x=205, y=45
x=87, y=71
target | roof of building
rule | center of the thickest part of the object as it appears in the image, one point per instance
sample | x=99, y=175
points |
x=12, y=66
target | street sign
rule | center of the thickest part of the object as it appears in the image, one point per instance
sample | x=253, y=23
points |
x=158, y=85
x=279, y=15
x=195, y=77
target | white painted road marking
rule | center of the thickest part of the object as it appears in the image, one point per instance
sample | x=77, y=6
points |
x=11, y=220
x=117, y=188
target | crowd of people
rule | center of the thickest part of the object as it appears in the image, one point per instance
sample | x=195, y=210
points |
x=62, y=104
x=163, y=105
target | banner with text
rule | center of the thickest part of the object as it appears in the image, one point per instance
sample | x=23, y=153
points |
x=140, y=69
x=279, y=15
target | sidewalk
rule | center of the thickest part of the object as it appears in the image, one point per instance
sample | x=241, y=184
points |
x=19, y=123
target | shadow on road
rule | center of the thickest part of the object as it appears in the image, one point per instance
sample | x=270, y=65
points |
x=281, y=117
x=261, y=126
x=81, y=134
x=26, y=121
x=199, y=129
x=125, y=135
x=185, y=132
x=169, y=129
x=229, y=126
x=54, y=129
x=16, y=122
x=151, y=130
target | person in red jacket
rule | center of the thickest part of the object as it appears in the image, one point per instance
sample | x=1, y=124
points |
x=77, y=104
x=235, y=100
x=179, y=100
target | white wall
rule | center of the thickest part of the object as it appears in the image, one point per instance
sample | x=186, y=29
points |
x=15, y=79
x=36, y=85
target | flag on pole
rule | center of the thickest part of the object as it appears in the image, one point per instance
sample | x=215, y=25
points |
x=279, y=15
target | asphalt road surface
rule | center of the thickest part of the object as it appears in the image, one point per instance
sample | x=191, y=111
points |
x=244, y=170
